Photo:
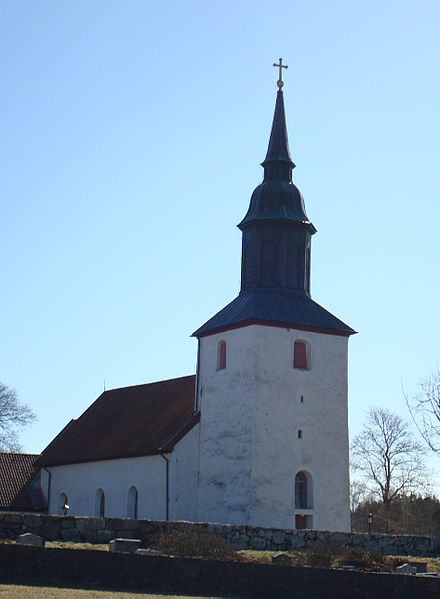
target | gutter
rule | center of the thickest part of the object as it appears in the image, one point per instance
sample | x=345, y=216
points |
x=196, y=399
x=49, y=485
x=167, y=485
x=166, y=447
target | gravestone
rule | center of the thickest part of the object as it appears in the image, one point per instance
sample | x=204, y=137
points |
x=124, y=545
x=28, y=538
x=281, y=559
x=406, y=569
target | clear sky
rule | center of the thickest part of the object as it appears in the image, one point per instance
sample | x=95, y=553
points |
x=131, y=137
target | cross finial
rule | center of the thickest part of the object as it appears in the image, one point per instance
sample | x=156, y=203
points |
x=281, y=66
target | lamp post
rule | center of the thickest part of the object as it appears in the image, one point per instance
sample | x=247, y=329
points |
x=369, y=520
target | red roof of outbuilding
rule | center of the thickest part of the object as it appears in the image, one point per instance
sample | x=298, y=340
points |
x=127, y=422
x=16, y=471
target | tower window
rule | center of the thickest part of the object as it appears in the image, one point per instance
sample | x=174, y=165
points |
x=300, y=433
x=221, y=355
x=300, y=355
x=302, y=492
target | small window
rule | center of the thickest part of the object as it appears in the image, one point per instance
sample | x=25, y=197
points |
x=300, y=433
x=221, y=355
x=300, y=355
x=132, y=503
x=301, y=491
x=63, y=504
x=100, y=503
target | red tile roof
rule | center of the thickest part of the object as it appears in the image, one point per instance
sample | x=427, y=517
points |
x=127, y=422
x=16, y=471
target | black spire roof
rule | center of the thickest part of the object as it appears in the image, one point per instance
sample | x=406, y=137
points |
x=278, y=149
x=275, y=280
x=277, y=197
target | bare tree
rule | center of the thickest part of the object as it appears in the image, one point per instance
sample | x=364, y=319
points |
x=13, y=415
x=388, y=458
x=424, y=407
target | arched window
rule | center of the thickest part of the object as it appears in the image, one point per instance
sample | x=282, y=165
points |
x=63, y=504
x=301, y=494
x=100, y=503
x=132, y=503
x=300, y=355
x=221, y=355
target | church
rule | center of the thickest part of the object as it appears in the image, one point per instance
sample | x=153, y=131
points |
x=259, y=435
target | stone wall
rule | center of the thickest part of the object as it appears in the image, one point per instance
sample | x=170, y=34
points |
x=103, y=570
x=103, y=530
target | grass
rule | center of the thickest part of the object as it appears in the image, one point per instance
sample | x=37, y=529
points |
x=27, y=592
x=299, y=558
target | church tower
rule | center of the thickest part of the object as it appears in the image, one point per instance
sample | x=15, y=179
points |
x=272, y=374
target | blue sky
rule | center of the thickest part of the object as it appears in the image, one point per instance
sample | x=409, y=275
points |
x=131, y=137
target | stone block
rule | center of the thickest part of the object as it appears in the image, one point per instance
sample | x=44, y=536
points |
x=258, y=544
x=278, y=536
x=406, y=569
x=104, y=536
x=281, y=559
x=141, y=551
x=127, y=534
x=71, y=535
x=67, y=522
x=13, y=519
x=124, y=545
x=421, y=567
x=86, y=524
x=51, y=531
x=114, y=523
x=32, y=521
x=130, y=524
x=146, y=527
x=294, y=541
x=29, y=538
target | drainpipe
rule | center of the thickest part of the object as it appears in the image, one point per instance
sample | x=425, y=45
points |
x=167, y=486
x=49, y=484
x=196, y=399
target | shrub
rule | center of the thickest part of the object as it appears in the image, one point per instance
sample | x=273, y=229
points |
x=190, y=542
x=321, y=555
x=369, y=560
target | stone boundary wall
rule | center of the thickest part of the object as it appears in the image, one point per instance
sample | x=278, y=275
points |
x=103, y=530
x=104, y=570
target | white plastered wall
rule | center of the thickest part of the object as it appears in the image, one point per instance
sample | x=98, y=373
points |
x=184, y=463
x=80, y=483
x=251, y=414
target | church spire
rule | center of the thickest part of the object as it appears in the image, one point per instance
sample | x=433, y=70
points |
x=276, y=229
x=278, y=153
x=276, y=249
x=277, y=198
x=278, y=163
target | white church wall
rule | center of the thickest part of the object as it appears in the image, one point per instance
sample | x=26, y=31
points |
x=80, y=483
x=226, y=428
x=183, y=476
x=314, y=402
x=251, y=414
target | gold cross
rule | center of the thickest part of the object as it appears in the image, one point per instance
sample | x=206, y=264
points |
x=281, y=66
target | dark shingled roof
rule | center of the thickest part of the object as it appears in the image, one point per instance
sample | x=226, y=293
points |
x=281, y=307
x=127, y=422
x=16, y=472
